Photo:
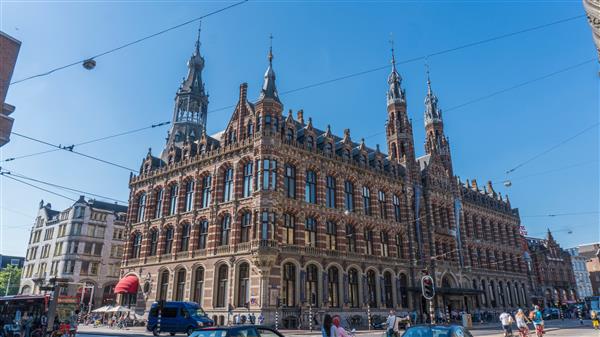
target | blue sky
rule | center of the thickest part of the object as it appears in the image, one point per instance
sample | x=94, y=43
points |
x=312, y=42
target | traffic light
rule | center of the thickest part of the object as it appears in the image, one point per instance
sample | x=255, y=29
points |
x=427, y=287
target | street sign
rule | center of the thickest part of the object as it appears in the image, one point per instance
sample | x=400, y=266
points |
x=427, y=287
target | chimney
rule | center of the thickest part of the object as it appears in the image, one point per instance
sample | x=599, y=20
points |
x=243, y=91
x=474, y=185
x=301, y=116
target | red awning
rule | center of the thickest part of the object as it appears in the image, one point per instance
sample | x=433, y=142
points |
x=127, y=285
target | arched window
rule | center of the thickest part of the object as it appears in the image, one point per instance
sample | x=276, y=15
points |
x=369, y=241
x=267, y=224
x=246, y=223
x=400, y=246
x=290, y=181
x=141, y=207
x=288, y=287
x=153, y=242
x=163, y=285
x=310, y=142
x=310, y=232
x=203, y=234
x=396, y=203
x=168, y=240
x=387, y=290
x=136, y=246
x=310, y=191
x=403, y=291
x=173, y=192
x=330, y=192
x=198, y=285
x=484, y=294
x=158, y=208
x=327, y=149
x=250, y=129
x=180, y=289
x=366, y=194
x=268, y=172
x=227, y=184
x=353, y=288
x=331, y=235
x=247, y=185
x=222, y=275
x=333, y=278
x=312, y=284
x=185, y=238
x=206, y=181
x=351, y=238
x=475, y=286
x=289, y=135
x=349, y=195
x=225, y=228
x=243, y=285
x=189, y=195
x=363, y=159
x=372, y=288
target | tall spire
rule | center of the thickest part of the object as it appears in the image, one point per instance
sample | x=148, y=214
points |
x=395, y=92
x=269, y=90
x=432, y=112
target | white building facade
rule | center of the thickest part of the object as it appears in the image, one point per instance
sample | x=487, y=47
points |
x=83, y=243
x=582, y=276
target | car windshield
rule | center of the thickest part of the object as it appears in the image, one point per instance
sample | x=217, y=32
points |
x=199, y=312
x=435, y=331
x=210, y=333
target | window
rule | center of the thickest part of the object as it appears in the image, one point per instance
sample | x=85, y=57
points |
x=288, y=288
x=49, y=234
x=382, y=205
x=180, y=285
x=75, y=229
x=227, y=184
x=189, y=196
x=351, y=236
x=206, y=181
x=385, y=244
x=310, y=143
x=290, y=181
x=247, y=186
x=164, y=285
x=310, y=232
x=94, y=268
x=245, y=227
x=312, y=284
x=334, y=287
x=269, y=174
x=372, y=289
x=158, y=210
x=400, y=246
x=387, y=290
x=153, y=242
x=267, y=122
x=249, y=129
x=198, y=285
x=310, y=191
x=243, y=285
x=353, y=288
x=289, y=135
x=141, y=207
x=221, y=286
x=168, y=240
x=266, y=231
x=396, y=203
x=330, y=192
x=349, y=196
x=366, y=200
x=369, y=241
x=185, y=238
x=404, y=291
x=203, y=234
x=327, y=149
x=288, y=229
x=225, y=228
x=331, y=232
x=173, y=191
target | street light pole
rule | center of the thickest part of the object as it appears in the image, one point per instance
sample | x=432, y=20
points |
x=8, y=284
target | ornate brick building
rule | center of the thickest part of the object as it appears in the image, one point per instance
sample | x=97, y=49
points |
x=553, y=272
x=274, y=208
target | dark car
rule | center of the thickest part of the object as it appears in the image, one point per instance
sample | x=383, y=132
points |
x=437, y=331
x=237, y=331
x=551, y=313
x=177, y=317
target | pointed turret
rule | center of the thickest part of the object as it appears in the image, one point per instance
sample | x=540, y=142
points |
x=435, y=139
x=395, y=92
x=269, y=90
x=432, y=112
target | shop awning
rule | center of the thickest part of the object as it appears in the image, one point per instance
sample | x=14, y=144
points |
x=127, y=285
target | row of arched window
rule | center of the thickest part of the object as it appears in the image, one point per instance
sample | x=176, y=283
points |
x=486, y=258
x=499, y=294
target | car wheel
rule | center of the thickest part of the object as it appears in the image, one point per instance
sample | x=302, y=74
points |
x=190, y=331
x=172, y=333
x=155, y=331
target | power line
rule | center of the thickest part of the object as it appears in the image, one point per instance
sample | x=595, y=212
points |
x=422, y=57
x=552, y=215
x=34, y=186
x=129, y=43
x=15, y=174
x=553, y=147
x=546, y=172
x=91, y=140
x=70, y=149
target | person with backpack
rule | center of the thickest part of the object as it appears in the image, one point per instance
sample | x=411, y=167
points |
x=538, y=321
x=506, y=320
x=328, y=329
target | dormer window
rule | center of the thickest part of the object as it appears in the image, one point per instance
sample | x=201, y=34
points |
x=178, y=136
x=289, y=136
x=309, y=142
x=346, y=154
x=250, y=129
x=362, y=159
x=327, y=149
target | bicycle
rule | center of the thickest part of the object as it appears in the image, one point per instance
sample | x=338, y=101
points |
x=539, y=330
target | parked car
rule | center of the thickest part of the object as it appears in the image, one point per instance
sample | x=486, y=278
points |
x=437, y=331
x=237, y=331
x=177, y=317
x=551, y=313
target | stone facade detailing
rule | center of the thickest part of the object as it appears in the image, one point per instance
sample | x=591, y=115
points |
x=8, y=57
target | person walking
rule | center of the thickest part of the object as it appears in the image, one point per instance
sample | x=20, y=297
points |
x=522, y=321
x=73, y=321
x=390, y=323
x=26, y=323
x=328, y=329
x=595, y=319
x=341, y=332
x=538, y=321
x=506, y=320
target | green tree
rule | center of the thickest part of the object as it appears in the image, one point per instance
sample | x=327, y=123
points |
x=14, y=273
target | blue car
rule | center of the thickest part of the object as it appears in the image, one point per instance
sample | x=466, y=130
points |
x=178, y=317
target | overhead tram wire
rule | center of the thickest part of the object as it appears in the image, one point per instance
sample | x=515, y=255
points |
x=70, y=149
x=91, y=140
x=130, y=43
x=69, y=189
x=37, y=187
x=500, y=181
x=419, y=58
x=553, y=215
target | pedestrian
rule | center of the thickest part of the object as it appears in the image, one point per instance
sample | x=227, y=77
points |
x=261, y=319
x=341, y=332
x=252, y=318
x=537, y=319
x=506, y=320
x=594, y=317
x=73, y=324
x=26, y=323
x=522, y=323
x=328, y=329
x=390, y=323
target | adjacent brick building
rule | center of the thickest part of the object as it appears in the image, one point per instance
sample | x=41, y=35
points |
x=553, y=272
x=274, y=208
x=9, y=49
x=592, y=253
